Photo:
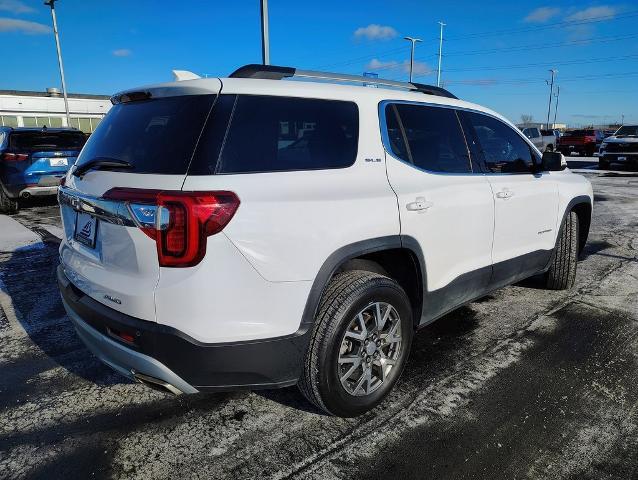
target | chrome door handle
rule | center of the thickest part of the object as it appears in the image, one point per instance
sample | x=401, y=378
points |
x=505, y=193
x=420, y=204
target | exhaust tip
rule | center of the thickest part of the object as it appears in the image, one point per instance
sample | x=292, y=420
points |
x=156, y=383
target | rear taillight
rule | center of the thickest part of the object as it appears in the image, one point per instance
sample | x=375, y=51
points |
x=179, y=222
x=15, y=157
x=590, y=139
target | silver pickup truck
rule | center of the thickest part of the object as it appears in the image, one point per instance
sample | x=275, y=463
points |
x=542, y=142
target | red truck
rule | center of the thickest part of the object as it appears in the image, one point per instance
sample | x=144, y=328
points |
x=583, y=142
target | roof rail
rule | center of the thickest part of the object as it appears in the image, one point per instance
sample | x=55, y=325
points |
x=273, y=72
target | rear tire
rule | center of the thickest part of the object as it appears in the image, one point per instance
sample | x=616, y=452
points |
x=335, y=374
x=562, y=271
x=8, y=205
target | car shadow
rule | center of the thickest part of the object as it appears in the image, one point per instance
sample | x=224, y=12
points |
x=432, y=351
x=29, y=280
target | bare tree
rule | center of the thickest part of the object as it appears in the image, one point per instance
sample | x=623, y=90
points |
x=526, y=118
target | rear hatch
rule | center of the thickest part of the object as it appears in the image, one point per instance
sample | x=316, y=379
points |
x=41, y=157
x=145, y=142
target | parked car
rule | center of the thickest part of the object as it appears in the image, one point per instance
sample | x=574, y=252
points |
x=251, y=232
x=620, y=148
x=583, y=142
x=543, y=141
x=33, y=160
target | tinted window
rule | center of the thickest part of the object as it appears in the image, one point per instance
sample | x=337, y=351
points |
x=628, y=130
x=270, y=134
x=503, y=148
x=434, y=138
x=43, y=140
x=580, y=133
x=155, y=136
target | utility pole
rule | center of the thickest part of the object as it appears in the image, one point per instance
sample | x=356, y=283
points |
x=556, y=107
x=438, y=76
x=51, y=3
x=413, y=41
x=265, y=41
x=551, y=93
x=622, y=122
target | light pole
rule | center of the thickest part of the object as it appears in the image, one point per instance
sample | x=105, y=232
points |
x=265, y=41
x=551, y=93
x=438, y=76
x=51, y=3
x=556, y=107
x=413, y=42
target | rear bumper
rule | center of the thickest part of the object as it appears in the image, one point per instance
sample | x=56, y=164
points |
x=46, y=185
x=617, y=157
x=173, y=357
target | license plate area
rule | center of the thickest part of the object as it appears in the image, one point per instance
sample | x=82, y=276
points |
x=85, y=229
x=622, y=159
x=58, y=162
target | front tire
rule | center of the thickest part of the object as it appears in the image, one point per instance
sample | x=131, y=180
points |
x=562, y=271
x=359, y=344
x=8, y=205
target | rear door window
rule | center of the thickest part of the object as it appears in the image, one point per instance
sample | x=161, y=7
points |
x=154, y=136
x=270, y=134
x=430, y=138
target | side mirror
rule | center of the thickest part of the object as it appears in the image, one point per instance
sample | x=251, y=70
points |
x=553, y=162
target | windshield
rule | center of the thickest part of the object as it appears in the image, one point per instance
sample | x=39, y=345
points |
x=154, y=136
x=627, y=131
x=43, y=140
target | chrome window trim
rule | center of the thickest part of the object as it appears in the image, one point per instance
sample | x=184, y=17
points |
x=385, y=140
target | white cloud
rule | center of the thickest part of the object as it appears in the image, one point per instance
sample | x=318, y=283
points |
x=593, y=13
x=23, y=26
x=375, y=64
x=420, y=68
x=122, y=52
x=542, y=14
x=15, y=6
x=375, y=32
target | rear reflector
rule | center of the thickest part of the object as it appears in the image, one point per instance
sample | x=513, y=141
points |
x=179, y=222
x=15, y=157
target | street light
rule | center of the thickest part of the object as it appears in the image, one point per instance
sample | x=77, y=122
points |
x=551, y=93
x=413, y=41
x=265, y=41
x=51, y=3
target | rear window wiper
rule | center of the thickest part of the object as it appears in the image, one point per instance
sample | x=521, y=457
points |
x=102, y=162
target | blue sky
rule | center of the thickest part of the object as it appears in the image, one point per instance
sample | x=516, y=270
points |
x=495, y=53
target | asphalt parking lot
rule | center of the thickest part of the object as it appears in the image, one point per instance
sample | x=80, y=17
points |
x=524, y=383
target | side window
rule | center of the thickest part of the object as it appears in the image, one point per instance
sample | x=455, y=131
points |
x=269, y=134
x=503, y=148
x=428, y=137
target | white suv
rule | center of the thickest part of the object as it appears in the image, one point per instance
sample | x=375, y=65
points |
x=260, y=232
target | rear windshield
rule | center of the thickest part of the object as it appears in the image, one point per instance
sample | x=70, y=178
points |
x=269, y=134
x=154, y=136
x=46, y=141
x=628, y=130
x=580, y=133
x=547, y=133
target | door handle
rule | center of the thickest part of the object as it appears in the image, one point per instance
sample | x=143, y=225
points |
x=505, y=193
x=420, y=204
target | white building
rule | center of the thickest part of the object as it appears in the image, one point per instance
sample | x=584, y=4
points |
x=36, y=109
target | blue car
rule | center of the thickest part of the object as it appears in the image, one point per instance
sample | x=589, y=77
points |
x=34, y=160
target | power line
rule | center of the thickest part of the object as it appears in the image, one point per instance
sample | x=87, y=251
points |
x=605, y=39
x=544, y=64
x=566, y=23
